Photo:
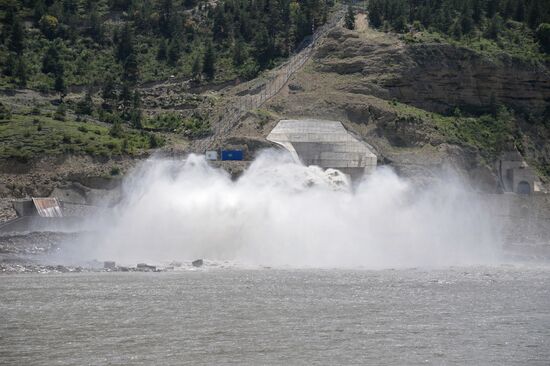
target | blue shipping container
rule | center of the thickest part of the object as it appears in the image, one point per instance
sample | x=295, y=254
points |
x=232, y=155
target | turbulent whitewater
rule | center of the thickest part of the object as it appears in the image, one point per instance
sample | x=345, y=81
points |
x=280, y=213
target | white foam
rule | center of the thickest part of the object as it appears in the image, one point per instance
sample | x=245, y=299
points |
x=283, y=214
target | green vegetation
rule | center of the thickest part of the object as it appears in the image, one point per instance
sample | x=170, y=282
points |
x=54, y=44
x=193, y=127
x=110, y=47
x=26, y=136
x=115, y=171
x=516, y=27
x=489, y=134
x=349, y=20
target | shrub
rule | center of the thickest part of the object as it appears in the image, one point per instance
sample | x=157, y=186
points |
x=48, y=25
x=60, y=112
x=116, y=130
x=4, y=112
x=155, y=141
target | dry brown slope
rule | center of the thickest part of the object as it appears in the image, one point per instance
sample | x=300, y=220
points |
x=355, y=75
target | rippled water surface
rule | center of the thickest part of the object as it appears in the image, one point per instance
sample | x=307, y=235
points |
x=473, y=316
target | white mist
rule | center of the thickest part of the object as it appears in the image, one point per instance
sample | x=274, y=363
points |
x=279, y=213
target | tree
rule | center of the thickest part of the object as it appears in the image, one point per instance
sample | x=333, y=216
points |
x=161, y=53
x=51, y=62
x=264, y=48
x=59, y=83
x=5, y=113
x=350, y=19
x=196, y=69
x=189, y=3
x=400, y=24
x=135, y=118
x=21, y=72
x=10, y=65
x=543, y=37
x=375, y=13
x=477, y=11
x=492, y=7
x=495, y=27
x=509, y=9
x=125, y=97
x=467, y=23
x=220, y=27
x=135, y=115
x=124, y=41
x=48, y=25
x=136, y=99
x=520, y=11
x=209, y=61
x=116, y=129
x=173, y=52
x=238, y=53
x=493, y=104
x=95, y=27
x=108, y=92
x=60, y=112
x=456, y=29
x=165, y=21
x=86, y=104
x=131, y=70
x=535, y=14
x=39, y=10
x=17, y=36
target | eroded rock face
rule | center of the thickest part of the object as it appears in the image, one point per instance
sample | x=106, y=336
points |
x=444, y=76
x=436, y=77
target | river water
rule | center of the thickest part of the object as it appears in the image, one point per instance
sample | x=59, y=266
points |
x=468, y=316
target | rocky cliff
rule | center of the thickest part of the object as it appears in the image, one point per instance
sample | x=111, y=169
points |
x=435, y=76
x=398, y=96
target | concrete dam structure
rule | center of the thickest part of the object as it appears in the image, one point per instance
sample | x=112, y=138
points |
x=326, y=144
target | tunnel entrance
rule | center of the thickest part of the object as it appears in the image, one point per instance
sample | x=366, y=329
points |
x=524, y=188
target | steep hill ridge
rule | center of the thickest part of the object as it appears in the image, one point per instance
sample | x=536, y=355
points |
x=398, y=96
x=435, y=76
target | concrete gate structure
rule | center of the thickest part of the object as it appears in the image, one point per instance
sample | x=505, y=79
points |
x=326, y=144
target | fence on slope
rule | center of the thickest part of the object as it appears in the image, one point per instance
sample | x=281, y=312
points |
x=276, y=79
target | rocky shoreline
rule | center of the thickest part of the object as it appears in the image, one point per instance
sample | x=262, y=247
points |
x=36, y=253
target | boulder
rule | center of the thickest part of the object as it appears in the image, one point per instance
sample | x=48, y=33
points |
x=197, y=263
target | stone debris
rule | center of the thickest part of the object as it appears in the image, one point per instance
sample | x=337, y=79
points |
x=33, y=243
x=146, y=267
x=197, y=263
x=109, y=265
x=37, y=268
x=37, y=252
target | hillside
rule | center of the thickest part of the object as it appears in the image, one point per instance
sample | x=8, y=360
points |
x=93, y=104
x=420, y=104
x=133, y=67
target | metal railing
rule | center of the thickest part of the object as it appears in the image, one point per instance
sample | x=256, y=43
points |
x=256, y=95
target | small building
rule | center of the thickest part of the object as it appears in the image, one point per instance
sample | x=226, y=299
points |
x=41, y=214
x=211, y=155
x=43, y=207
x=514, y=174
x=326, y=144
x=232, y=155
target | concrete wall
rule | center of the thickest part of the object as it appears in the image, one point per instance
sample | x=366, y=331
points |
x=24, y=208
x=525, y=218
x=515, y=175
x=28, y=224
x=326, y=144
